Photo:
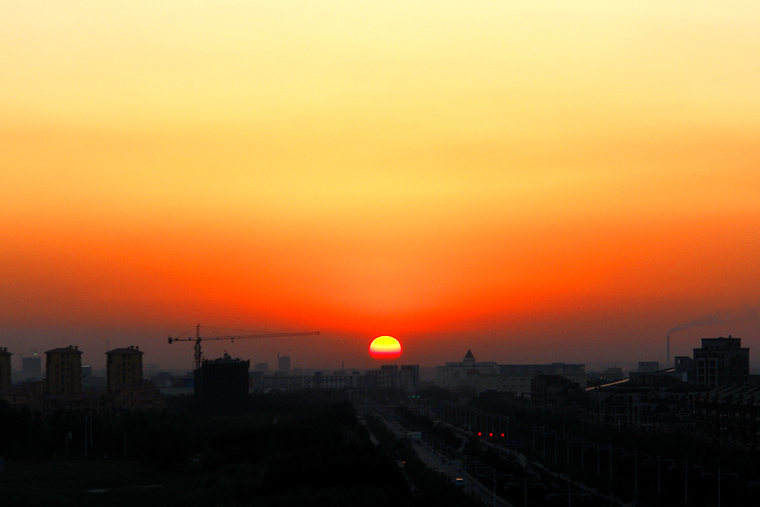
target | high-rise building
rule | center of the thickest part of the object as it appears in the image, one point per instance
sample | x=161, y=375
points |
x=283, y=363
x=5, y=369
x=221, y=385
x=63, y=370
x=721, y=361
x=124, y=368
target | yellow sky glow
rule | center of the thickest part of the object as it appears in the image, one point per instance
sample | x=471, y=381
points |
x=424, y=165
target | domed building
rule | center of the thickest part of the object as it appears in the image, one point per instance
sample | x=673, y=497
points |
x=464, y=374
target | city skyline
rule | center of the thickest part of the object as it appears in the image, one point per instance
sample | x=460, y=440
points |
x=219, y=349
x=539, y=183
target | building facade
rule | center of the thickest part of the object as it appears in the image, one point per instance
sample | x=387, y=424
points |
x=5, y=369
x=721, y=361
x=124, y=368
x=465, y=374
x=62, y=388
x=63, y=371
x=515, y=379
x=221, y=385
x=731, y=414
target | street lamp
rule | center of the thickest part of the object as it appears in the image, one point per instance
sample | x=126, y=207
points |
x=659, y=462
x=597, y=446
x=495, y=476
x=543, y=440
x=635, y=455
x=720, y=475
x=686, y=468
x=580, y=441
x=486, y=471
x=570, y=495
x=526, y=485
x=553, y=433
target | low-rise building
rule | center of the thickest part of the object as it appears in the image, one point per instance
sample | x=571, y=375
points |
x=655, y=401
x=464, y=374
x=470, y=375
x=731, y=415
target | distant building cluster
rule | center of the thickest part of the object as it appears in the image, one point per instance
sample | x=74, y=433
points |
x=65, y=377
x=711, y=393
x=223, y=384
x=389, y=376
x=473, y=376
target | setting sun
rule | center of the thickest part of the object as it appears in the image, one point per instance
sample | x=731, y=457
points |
x=385, y=347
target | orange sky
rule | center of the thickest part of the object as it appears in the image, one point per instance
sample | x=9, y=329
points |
x=548, y=182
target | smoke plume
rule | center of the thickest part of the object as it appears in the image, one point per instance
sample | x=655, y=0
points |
x=748, y=314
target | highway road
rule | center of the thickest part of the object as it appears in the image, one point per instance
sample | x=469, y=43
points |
x=452, y=469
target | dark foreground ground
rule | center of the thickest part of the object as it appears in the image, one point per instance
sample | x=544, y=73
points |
x=284, y=451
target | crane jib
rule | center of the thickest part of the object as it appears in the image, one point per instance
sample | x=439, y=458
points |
x=198, y=338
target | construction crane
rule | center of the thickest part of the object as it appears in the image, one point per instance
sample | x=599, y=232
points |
x=198, y=339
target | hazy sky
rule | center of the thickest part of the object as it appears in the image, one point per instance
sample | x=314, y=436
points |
x=538, y=181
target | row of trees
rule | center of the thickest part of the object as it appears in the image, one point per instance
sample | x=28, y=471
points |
x=305, y=450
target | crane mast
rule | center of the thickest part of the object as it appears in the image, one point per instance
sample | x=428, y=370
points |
x=198, y=339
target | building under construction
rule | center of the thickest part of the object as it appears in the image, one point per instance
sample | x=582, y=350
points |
x=221, y=385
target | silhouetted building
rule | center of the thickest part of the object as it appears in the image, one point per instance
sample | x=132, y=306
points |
x=471, y=375
x=683, y=368
x=5, y=369
x=221, y=385
x=721, y=361
x=517, y=378
x=465, y=374
x=31, y=368
x=281, y=381
x=384, y=378
x=283, y=363
x=125, y=385
x=405, y=377
x=409, y=377
x=62, y=387
x=124, y=368
x=648, y=366
x=655, y=401
x=340, y=379
x=261, y=367
x=63, y=371
x=557, y=392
